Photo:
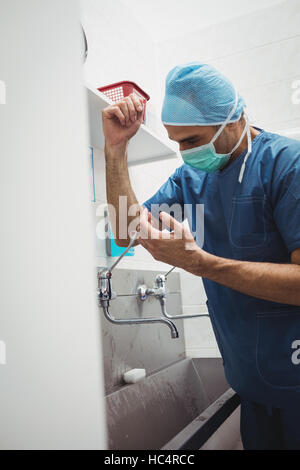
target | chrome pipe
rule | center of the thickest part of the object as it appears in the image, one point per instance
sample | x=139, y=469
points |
x=130, y=321
x=178, y=317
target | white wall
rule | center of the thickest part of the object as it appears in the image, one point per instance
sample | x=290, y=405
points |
x=51, y=393
x=168, y=19
x=259, y=52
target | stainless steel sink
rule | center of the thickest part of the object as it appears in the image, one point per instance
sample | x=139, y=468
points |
x=178, y=407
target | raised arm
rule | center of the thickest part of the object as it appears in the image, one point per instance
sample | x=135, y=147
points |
x=121, y=121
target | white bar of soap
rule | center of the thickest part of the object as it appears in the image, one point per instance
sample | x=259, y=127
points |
x=134, y=375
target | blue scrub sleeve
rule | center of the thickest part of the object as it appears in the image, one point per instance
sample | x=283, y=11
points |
x=168, y=198
x=286, y=196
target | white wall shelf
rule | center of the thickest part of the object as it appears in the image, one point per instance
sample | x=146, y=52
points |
x=144, y=147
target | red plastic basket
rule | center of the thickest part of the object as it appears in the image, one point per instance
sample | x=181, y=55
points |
x=118, y=91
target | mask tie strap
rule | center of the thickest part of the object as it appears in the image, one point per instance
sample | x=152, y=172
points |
x=241, y=138
x=227, y=119
x=248, y=152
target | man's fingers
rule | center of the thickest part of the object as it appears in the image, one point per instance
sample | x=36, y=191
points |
x=131, y=108
x=144, y=224
x=154, y=221
x=138, y=103
x=124, y=108
x=113, y=111
x=147, y=230
x=172, y=223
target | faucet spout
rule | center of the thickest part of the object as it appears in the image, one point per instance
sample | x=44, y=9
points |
x=131, y=321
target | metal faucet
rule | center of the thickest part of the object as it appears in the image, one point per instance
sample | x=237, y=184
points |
x=160, y=292
x=106, y=294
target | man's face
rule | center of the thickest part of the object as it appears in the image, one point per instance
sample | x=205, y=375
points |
x=194, y=136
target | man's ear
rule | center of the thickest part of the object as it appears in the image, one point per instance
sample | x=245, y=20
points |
x=234, y=125
x=237, y=124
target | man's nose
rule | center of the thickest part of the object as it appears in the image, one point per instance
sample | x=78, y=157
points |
x=185, y=146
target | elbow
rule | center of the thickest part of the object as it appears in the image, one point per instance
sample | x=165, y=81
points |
x=122, y=243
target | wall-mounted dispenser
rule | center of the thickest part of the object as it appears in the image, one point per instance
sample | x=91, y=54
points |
x=112, y=249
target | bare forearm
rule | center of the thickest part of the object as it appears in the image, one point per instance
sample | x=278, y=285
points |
x=119, y=192
x=269, y=281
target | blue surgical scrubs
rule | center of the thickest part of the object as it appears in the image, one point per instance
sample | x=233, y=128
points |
x=256, y=220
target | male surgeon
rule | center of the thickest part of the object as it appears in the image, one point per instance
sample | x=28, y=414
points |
x=248, y=181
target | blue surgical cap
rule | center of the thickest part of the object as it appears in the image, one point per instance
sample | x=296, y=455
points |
x=198, y=94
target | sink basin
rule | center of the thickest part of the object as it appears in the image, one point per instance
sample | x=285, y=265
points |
x=178, y=407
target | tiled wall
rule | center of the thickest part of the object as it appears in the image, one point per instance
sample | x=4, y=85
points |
x=260, y=52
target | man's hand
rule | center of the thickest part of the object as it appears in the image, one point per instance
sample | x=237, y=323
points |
x=177, y=248
x=268, y=281
x=122, y=120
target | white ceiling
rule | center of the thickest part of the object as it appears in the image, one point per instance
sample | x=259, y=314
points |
x=164, y=19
